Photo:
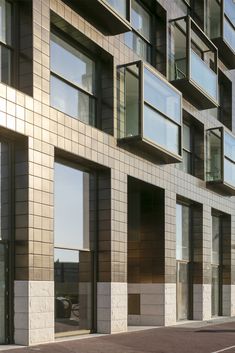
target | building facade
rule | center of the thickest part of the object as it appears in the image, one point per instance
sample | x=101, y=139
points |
x=117, y=144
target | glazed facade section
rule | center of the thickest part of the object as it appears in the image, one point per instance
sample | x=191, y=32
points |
x=117, y=166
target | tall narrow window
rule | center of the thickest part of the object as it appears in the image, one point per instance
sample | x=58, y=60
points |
x=183, y=258
x=139, y=40
x=216, y=266
x=72, y=256
x=72, y=81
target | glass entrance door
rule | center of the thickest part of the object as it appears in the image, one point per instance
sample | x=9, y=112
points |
x=3, y=295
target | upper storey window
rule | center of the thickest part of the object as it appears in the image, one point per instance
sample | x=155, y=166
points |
x=119, y=5
x=139, y=39
x=5, y=41
x=193, y=63
x=16, y=44
x=220, y=27
x=72, y=81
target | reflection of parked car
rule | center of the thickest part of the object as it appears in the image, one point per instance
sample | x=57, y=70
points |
x=63, y=308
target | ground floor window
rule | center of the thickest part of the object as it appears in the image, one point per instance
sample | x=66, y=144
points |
x=73, y=253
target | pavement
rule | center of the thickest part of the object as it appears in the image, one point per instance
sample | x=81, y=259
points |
x=189, y=338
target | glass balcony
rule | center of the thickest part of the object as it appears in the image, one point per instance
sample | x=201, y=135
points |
x=220, y=171
x=110, y=16
x=149, y=113
x=193, y=63
x=220, y=27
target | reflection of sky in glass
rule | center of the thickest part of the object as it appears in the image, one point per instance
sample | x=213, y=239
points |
x=178, y=232
x=119, y=6
x=69, y=227
x=61, y=255
x=162, y=96
x=71, y=64
x=229, y=146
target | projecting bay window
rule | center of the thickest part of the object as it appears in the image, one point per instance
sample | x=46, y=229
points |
x=73, y=81
x=193, y=63
x=221, y=159
x=5, y=41
x=149, y=112
x=220, y=27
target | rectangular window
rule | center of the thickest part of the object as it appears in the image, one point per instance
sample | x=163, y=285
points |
x=5, y=41
x=72, y=81
x=139, y=40
x=71, y=207
x=73, y=256
x=119, y=5
x=182, y=232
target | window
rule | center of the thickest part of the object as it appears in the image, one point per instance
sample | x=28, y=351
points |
x=193, y=147
x=156, y=119
x=193, y=63
x=216, y=266
x=183, y=258
x=119, y=5
x=73, y=81
x=139, y=40
x=148, y=38
x=73, y=257
x=5, y=41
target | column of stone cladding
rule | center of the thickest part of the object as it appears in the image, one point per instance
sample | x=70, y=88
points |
x=170, y=258
x=206, y=248
x=34, y=286
x=112, y=276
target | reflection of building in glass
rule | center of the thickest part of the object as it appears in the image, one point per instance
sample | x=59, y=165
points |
x=117, y=165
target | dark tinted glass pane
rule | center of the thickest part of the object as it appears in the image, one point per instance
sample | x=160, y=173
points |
x=5, y=65
x=5, y=22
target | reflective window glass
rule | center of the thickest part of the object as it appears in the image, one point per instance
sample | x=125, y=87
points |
x=187, y=137
x=72, y=65
x=138, y=45
x=71, y=101
x=160, y=130
x=161, y=96
x=182, y=232
x=229, y=9
x=73, y=294
x=71, y=212
x=5, y=21
x=140, y=19
x=215, y=240
x=229, y=146
x=119, y=6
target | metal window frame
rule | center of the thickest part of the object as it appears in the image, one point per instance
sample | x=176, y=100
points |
x=191, y=25
x=141, y=66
